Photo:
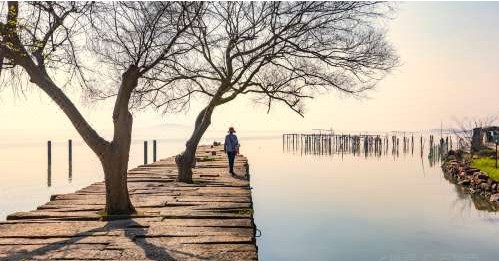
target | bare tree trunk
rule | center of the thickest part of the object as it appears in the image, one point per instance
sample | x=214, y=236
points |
x=187, y=160
x=115, y=165
x=115, y=160
x=113, y=155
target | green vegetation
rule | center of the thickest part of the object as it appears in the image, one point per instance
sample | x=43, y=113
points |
x=206, y=158
x=487, y=152
x=487, y=165
x=244, y=211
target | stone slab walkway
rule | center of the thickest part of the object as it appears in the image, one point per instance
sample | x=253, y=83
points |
x=209, y=220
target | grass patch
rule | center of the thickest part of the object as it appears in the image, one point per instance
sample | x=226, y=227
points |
x=208, y=158
x=102, y=213
x=244, y=211
x=199, y=182
x=487, y=165
x=487, y=152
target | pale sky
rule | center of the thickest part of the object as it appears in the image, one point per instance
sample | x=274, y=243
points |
x=450, y=63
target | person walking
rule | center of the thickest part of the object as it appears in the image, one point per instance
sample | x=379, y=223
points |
x=231, y=147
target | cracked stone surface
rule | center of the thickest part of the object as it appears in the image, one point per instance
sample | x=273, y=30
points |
x=211, y=219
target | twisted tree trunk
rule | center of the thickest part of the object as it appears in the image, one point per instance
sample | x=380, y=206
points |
x=187, y=159
x=115, y=164
x=113, y=155
x=115, y=159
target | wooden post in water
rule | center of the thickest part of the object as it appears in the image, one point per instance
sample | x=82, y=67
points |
x=412, y=144
x=283, y=142
x=49, y=161
x=145, y=152
x=154, y=151
x=70, y=151
x=70, y=160
x=49, y=153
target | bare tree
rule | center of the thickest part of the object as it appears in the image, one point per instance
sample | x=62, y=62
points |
x=47, y=43
x=277, y=51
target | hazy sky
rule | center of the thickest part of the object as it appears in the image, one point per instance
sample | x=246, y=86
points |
x=450, y=68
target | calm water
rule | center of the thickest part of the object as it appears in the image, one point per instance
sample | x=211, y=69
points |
x=345, y=207
x=308, y=207
x=24, y=180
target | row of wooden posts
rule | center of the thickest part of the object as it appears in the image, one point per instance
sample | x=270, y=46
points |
x=371, y=144
x=70, y=158
x=70, y=151
x=154, y=146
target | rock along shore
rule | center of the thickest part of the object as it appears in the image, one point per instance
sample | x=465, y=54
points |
x=476, y=182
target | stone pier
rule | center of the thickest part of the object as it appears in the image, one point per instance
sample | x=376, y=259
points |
x=211, y=219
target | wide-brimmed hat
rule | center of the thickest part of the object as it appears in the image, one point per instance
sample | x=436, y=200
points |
x=231, y=129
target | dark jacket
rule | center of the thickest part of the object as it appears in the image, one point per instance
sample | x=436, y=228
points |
x=231, y=143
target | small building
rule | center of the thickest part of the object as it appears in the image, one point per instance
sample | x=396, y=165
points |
x=483, y=135
x=490, y=133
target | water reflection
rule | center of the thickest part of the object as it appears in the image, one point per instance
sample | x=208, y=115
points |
x=381, y=146
x=26, y=169
x=70, y=171
x=478, y=202
x=343, y=207
x=49, y=175
x=364, y=145
x=49, y=162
